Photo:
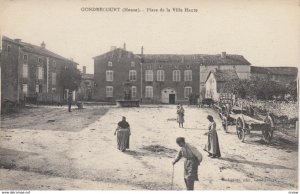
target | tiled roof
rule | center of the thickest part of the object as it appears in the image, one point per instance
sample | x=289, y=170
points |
x=275, y=70
x=201, y=59
x=38, y=49
x=224, y=75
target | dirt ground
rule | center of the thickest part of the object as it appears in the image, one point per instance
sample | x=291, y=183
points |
x=48, y=148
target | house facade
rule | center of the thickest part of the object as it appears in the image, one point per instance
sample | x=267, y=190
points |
x=29, y=71
x=158, y=78
x=216, y=83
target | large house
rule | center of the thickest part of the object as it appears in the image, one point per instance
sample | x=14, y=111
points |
x=159, y=78
x=29, y=71
x=284, y=75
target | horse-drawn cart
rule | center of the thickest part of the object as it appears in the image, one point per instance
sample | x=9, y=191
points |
x=246, y=124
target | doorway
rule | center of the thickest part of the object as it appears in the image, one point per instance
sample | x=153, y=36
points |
x=171, y=98
x=168, y=96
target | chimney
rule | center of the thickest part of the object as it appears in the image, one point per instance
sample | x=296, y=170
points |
x=84, y=69
x=18, y=40
x=223, y=55
x=124, y=46
x=142, y=50
x=43, y=45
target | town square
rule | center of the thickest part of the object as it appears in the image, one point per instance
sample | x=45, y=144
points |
x=161, y=95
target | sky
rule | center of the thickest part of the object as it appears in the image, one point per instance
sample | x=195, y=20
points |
x=265, y=32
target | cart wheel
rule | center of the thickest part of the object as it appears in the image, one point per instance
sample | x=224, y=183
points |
x=268, y=135
x=240, y=130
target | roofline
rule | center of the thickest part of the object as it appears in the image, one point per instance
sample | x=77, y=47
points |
x=6, y=38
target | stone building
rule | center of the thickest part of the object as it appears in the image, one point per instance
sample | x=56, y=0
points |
x=159, y=78
x=29, y=72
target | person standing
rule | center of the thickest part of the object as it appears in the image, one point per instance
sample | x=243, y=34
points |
x=180, y=115
x=193, y=158
x=123, y=132
x=212, y=146
x=70, y=101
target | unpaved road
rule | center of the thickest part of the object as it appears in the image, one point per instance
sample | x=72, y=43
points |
x=49, y=148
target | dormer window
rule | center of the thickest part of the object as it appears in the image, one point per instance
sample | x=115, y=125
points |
x=109, y=63
x=160, y=66
x=188, y=66
x=132, y=64
x=40, y=60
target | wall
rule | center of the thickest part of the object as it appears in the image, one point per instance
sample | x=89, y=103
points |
x=9, y=69
x=121, y=65
x=169, y=83
x=211, y=88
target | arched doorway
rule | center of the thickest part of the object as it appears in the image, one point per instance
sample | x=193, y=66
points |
x=168, y=96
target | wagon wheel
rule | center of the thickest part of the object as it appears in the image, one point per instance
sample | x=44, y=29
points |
x=268, y=134
x=240, y=129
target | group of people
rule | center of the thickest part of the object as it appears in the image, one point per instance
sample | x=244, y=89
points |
x=192, y=156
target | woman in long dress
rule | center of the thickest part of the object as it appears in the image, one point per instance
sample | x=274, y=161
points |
x=123, y=132
x=212, y=146
x=180, y=115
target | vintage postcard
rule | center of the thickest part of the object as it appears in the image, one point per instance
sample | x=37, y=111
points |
x=149, y=95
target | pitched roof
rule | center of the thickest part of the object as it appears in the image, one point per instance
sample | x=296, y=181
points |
x=223, y=75
x=117, y=50
x=202, y=59
x=275, y=70
x=37, y=49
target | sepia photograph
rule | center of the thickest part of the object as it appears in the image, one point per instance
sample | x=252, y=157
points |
x=111, y=95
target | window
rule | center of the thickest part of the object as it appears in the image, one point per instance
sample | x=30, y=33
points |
x=160, y=66
x=161, y=75
x=39, y=88
x=149, y=92
x=40, y=60
x=188, y=75
x=40, y=72
x=188, y=66
x=25, y=89
x=109, y=91
x=109, y=76
x=54, y=64
x=25, y=71
x=8, y=48
x=53, y=78
x=176, y=75
x=109, y=64
x=132, y=75
x=187, y=92
x=53, y=90
x=149, y=75
x=133, y=91
x=132, y=64
x=176, y=66
x=25, y=58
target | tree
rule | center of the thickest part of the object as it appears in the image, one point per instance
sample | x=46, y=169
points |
x=70, y=78
x=292, y=90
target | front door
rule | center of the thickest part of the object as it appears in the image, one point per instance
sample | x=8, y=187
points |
x=171, y=98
